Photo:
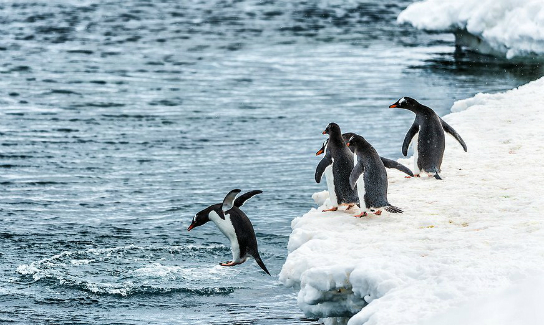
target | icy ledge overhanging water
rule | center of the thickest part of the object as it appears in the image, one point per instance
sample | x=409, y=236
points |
x=504, y=28
x=467, y=250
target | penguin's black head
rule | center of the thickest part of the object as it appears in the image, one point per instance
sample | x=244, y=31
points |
x=355, y=141
x=204, y=216
x=221, y=209
x=347, y=136
x=322, y=150
x=332, y=128
x=405, y=103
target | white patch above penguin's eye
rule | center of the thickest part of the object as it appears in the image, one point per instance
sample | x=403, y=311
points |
x=402, y=100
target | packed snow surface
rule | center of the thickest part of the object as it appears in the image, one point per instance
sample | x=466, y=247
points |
x=467, y=250
x=508, y=27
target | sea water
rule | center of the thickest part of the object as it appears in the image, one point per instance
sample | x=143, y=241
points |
x=122, y=119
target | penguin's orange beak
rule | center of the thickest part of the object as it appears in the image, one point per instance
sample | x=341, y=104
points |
x=347, y=144
x=191, y=226
x=319, y=152
x=324, y=132
x=393, y=106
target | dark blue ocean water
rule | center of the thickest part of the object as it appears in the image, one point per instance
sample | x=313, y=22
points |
x=121, y=119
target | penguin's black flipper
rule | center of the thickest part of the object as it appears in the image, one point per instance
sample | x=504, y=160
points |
x=244, y=197
x=408, y=138
x=454, y=133
x=356, y=172
x=437, y=176
x=229, y=199
x=324, y=163
x=388, y=163
x=260, y=263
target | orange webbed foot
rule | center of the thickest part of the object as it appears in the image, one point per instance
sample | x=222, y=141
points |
x=229, y=263
x=364, y=214
x=331, y=209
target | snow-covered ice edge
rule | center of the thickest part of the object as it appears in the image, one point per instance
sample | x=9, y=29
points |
x=504, y=28
x=468, y=249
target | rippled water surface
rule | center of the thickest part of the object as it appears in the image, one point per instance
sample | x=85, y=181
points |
x=120, y=120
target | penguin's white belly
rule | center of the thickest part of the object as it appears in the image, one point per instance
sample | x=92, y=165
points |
x=414, y=145
x=360, y=186
x=361, y=191
x=226, y=227
x=330, y=185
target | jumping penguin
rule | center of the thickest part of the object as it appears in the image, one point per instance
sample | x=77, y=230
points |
x=341, y=159
x=427, y=132
x=372, y=169
x=235, y=225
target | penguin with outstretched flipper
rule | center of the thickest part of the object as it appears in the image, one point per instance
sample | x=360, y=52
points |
x=325, y=167
x=340, y=158
x=427, y=134
x=371, y=168
x=235, y=225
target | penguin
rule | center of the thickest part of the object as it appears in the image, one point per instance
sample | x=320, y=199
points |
x=372, y=170
x=427, y=134
x=235, y=225
x=320, y=170
x=325, y=167
x=388, y=163
x=341, y=162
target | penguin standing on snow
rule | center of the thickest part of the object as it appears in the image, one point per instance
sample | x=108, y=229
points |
x=371, y=168
x=341, y=159
x=427, y=132
x=235, y=225
x=388, y=163
x=326, y=161
x=325, y=167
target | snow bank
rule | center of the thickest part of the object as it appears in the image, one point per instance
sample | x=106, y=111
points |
x=519, y=304
x=477, y=232
x=508, y=28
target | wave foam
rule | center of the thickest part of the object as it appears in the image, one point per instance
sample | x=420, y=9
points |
x=130, y=270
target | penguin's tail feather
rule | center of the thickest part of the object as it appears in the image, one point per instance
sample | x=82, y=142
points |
x=436, y=171
x=261, y=264
x=393, y=209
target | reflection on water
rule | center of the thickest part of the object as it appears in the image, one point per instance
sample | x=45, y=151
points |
x=120, y=122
